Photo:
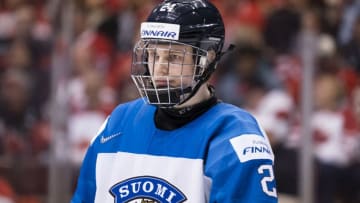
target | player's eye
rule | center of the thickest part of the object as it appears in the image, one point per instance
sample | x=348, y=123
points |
x=175, y=58
x=153, y=56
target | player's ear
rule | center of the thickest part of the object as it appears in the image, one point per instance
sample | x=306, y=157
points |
x=208, y=59
x=211, y=56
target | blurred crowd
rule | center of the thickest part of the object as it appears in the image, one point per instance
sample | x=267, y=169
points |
x=262, y=75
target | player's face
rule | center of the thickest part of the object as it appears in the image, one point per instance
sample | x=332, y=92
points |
x=171, y=65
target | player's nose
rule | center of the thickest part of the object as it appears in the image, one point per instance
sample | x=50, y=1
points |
x=162, y=66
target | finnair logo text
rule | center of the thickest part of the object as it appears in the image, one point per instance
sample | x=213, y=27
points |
x=251, y=147
x=256, y=149
x=157, y=34
x=160, y=31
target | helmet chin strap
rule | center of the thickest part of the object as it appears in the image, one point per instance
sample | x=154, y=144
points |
x=168, y=96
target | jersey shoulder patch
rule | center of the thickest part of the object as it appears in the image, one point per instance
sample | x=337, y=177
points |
x=252, y=147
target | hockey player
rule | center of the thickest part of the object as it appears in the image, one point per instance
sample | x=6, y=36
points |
x=178, y=143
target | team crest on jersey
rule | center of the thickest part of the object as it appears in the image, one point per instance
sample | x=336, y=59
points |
x=146, y=189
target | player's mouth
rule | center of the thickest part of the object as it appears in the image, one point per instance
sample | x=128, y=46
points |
x=162, y=83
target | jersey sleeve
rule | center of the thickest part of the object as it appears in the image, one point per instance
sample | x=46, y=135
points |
x=241, y=170
x=86, y=184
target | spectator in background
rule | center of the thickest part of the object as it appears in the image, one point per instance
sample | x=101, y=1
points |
x=20, y=58
x=96, y=12
x=276, y=111
x=22, y=132
x=330, y=18
x=90, y=98
x=281, y=28
x=331, y=142
x=114, y=39
x=351, y=193
x=16, y=115
x=30, y=52
x=84, y=123
x=229, y=10
x=247, y=74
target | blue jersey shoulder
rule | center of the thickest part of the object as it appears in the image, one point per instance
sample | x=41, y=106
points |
x=236, y=130
x=120, y=116
x=232, y=118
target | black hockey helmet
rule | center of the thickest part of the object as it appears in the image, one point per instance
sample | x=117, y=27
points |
x=195, y=23
x=200, y=22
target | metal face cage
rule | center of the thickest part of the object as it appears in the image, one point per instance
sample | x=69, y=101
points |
x=165, y=72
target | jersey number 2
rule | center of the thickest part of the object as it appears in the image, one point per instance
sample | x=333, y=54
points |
x=267, y=179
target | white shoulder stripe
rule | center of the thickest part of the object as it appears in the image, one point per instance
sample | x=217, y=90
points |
x=102, y=127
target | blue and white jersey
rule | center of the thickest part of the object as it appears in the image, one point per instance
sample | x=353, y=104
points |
x=222, y=156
